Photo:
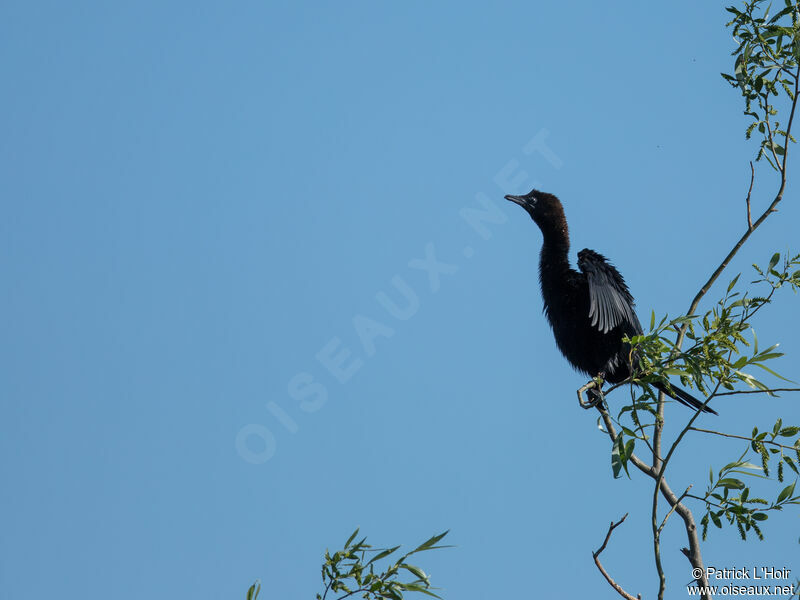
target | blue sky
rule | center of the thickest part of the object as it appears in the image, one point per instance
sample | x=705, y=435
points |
x=200, y=200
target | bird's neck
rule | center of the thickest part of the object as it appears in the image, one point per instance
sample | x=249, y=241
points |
x=555, y=254
x=554, y=268
x=556, y=277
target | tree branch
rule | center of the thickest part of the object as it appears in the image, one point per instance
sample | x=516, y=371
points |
x=671, y=510
x=741, y=437
x=693, y=554
x=657, y=470
x=769, y=391
x=770, y=209
x=596, y=557
x=747, y=200
x=787, y=137
x=769, y=134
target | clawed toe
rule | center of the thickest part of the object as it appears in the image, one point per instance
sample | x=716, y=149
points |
x=594, y=392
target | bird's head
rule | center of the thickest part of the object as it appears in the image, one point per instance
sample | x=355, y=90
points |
x=545, y=209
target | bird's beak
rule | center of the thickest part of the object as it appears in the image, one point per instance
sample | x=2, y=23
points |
x=521, y=200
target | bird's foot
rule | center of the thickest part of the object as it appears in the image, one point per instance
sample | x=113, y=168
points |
x=594, y=390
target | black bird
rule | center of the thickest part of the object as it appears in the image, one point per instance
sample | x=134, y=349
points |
x=590, y=310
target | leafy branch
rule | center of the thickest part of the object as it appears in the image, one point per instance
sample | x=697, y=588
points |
x=743, y=510
x=351, y=571
x=766, y=63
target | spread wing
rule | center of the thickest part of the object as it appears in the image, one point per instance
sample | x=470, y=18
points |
x=610, y=302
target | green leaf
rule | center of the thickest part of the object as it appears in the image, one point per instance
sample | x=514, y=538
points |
x=252, y=593
x=392, y=593
x=415, y=587
x=771, y=372
x=747, y=465
x=774, y=260
x=429, y=544
x=789, y=461
x=789, y=8
x=382, y=554
x=419, y=573
x=768, y=356
x=730, y=483
x=785, y=493
x=749, y=474
x=629, y=445
x=428, y=593
x=617, y=455
x=351, y=538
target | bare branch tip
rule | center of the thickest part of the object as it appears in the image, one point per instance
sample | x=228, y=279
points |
x=747, y=200
x=604, y=573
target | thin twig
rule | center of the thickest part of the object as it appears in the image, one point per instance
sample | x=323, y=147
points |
x=767, y=109
x=742, y=437
x=752, y=178
x=596, y=557
x=640, y=427
x=671, y=510
x=707, y=501
x=707, y=285
x=787, y=137
x=768, y=391
x=662, y=578
x=657, y=431
x=769, y=134
x=327, y=587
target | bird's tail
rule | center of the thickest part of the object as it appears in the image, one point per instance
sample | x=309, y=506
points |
x=683, y=397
